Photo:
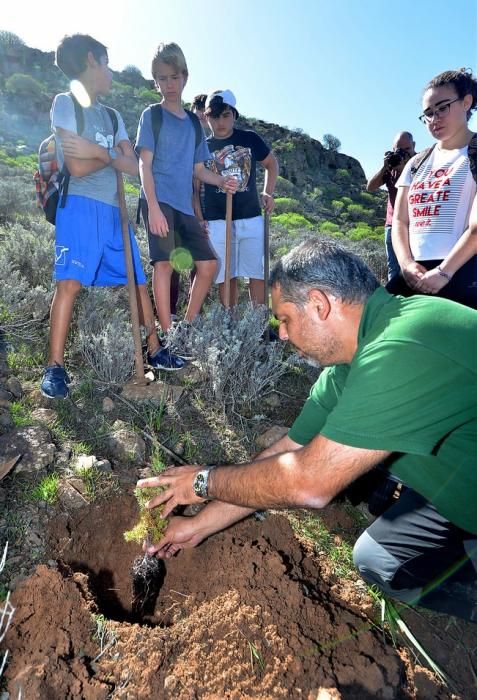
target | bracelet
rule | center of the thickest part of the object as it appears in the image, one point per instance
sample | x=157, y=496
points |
x=444, y=274
x=265, y=194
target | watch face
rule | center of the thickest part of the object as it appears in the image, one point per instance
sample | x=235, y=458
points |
x=200, y=484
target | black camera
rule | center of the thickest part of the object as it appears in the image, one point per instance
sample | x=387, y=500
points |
x=395, y=158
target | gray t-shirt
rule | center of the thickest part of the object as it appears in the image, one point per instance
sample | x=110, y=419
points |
x=174, y=157
x=98, y=128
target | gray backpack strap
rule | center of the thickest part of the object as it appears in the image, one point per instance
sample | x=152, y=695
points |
x=421, y=157
x=472, y=153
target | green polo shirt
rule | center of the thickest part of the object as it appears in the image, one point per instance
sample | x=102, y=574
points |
x=411, y=389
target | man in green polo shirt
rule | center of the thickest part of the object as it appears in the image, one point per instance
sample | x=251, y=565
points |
x=399, y=389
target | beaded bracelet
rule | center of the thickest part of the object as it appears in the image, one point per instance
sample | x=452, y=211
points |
x=444, y=274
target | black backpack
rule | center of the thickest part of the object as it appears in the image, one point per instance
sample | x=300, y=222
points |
x=422, y=156
x=52, y=183
x=156, y=122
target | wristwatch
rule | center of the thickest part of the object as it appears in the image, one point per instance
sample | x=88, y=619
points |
x=201, y=482
x=112, y=153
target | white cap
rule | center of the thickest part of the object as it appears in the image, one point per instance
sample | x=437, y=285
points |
x=227, y=96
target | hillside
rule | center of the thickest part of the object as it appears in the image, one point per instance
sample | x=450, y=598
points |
x=316, y=187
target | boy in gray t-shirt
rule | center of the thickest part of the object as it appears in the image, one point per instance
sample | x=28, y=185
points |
x=89, y=247
x=167, y=168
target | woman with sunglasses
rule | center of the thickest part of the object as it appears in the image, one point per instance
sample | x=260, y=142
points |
x=434, y=230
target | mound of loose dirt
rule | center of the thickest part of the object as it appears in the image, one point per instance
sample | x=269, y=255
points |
x=245, y=615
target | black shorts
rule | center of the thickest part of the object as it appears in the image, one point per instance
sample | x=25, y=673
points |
x=184, y=232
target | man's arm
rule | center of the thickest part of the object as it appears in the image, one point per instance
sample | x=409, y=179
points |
x=186, y=532
x=377, y=181
x=270, y=164
x=83, y=157
x=305, y=478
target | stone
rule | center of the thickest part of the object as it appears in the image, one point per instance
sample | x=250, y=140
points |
x=36, y=398
x=14, y=387
x=83, y=462
x=6, y=421
x=108, y=405
x=70, y=497
x=157, y=392
x=145, y=473
x=125, y=445
x=104, y=466
x=273, y=400
x=4, y=403
x=34, y=443
x=270, y=436
x=44, y=415
x=6, y=395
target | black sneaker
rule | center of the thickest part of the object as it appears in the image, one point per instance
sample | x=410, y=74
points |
x=55, y=382
x=165, y=360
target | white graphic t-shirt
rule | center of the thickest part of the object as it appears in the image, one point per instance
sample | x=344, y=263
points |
x=439, y=199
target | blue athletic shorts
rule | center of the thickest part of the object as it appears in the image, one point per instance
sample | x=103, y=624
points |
x=89, y=244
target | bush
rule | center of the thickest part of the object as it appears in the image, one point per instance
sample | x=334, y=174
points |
x=284, y=205
x=285, y=187
x=105, y=335
x=292, y=220
x=332, y=143
x=25, y=86
x=329, y=227
x=236, y=366
x=361, y=231
x=337, y=206
x=358, y=212
x=10, y=40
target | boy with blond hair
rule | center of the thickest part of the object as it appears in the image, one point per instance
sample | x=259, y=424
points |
x=167, y=166
x=89, y=247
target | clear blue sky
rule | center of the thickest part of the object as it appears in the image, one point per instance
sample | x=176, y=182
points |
x=353, y=68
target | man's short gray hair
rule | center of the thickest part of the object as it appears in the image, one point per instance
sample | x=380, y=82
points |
x=326, y=266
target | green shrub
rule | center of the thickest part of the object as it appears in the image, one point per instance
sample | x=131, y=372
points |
x=284, y=186
x=284, y=205
x=22, y=85
x=368, y=198
x=292, y=220
x=337, y=206
x=329, y=227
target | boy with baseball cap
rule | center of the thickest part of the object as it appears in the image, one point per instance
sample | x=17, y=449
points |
x=236, y=152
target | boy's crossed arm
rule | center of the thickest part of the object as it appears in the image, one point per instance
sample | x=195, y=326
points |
x=228, y=182
x=83, y=157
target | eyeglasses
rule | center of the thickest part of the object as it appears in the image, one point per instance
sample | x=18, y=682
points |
x=441, y=111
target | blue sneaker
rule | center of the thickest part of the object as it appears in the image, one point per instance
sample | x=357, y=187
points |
x=55, y=382
x=166, y=360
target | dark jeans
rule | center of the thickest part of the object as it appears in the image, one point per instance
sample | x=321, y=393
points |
x=461, y=288
x=414, y=554
x=393, y=265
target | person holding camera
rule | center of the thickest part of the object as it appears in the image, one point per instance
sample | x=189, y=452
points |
x=394, y=161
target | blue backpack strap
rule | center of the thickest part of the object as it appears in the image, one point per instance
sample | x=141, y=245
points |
x=472, y=154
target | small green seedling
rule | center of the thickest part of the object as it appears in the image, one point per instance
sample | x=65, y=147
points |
x=151, y=524
x=147, y=572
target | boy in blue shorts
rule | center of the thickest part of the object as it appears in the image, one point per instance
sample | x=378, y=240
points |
x=237, y=152
x=89, y=248
x=167, y=166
